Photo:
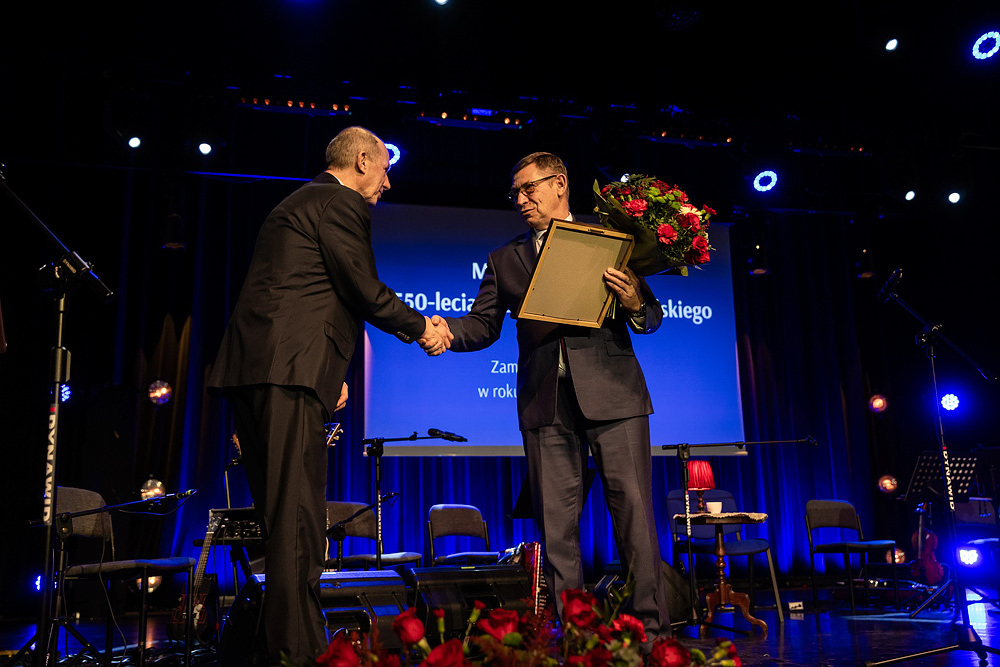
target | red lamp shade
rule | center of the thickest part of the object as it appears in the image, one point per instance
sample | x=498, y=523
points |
x=701, y=477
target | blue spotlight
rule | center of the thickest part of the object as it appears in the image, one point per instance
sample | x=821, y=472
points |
x=38, y=583
x=949, y=402
x=969, y=556
x=204, y=148
x=891, y=44
x=65, y=393
x=134, y=142
x=394, y=153
x=764, y=181
x=986, y=46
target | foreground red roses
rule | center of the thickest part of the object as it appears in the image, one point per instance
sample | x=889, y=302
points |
x=593, y=635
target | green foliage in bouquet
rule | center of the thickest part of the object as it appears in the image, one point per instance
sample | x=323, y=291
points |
x=670, y=233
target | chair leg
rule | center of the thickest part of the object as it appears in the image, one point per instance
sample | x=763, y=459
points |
x=895, y=578
x=863, y=558
x=850, y=580
x=143, y=620
x=189, y=626
x=750, y=576
x=774, y=585
x=812, y=578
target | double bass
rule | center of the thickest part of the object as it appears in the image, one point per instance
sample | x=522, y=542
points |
x=925, y=565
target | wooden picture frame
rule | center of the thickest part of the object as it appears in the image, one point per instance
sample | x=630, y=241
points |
x=567, y=286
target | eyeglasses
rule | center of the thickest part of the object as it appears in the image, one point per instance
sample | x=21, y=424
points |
x=527, y=188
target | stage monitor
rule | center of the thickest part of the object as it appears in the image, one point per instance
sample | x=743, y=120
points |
x=434, y=258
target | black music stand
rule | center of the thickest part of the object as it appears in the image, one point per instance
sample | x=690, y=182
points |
x=925, y=485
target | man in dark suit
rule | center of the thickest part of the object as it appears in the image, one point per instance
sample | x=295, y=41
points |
x=578, y=388
x=282, y=363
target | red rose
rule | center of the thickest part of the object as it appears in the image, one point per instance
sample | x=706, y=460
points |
x=438, y=613
x=448, y=654
x=666, y=234
x=604, y=633
x=636, y=207
x=501, y=623
x=698, y=254
x=578, y=608
x=597, y=657
x=631, y=625
x=479, y=604
x=408, y=627
x=690, y=221
x=668, y=652
x=709, y=210
x=340, y=653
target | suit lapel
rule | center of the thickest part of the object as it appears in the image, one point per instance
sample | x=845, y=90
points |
x=524, y=248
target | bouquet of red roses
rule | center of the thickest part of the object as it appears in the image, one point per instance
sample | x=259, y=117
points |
x=670, y=232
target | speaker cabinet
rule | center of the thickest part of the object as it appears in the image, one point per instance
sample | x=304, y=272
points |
x=456, y=589
x=351, y=600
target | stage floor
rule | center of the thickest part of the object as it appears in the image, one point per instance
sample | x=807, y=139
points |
x=807, y=638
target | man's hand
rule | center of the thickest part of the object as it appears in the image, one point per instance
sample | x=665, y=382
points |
x=342, y=401
x=437, y=336
x=625, y=285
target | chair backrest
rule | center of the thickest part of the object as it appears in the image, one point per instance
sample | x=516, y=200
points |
x=975, y=512
x=463, y=520
x=362, y=525
x=832, y=514
x=675, y=505
x=70, y=500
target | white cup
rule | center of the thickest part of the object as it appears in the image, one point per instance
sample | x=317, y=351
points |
x=714, y=507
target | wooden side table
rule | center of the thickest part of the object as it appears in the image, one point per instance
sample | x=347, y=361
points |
x=724, y=593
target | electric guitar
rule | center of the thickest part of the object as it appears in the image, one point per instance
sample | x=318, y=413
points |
x=202, y=588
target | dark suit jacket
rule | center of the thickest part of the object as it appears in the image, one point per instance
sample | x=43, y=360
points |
x=311, y=281
x=606, y=376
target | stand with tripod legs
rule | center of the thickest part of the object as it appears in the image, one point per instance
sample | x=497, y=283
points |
x=966, y=637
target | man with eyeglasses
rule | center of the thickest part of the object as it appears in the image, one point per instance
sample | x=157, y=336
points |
x=282, y=364
x=579, y=389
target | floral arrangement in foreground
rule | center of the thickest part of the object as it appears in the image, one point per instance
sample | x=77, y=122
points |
x=592, y=636
x=670, y=232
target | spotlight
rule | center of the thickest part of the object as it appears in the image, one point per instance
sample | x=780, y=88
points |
x=897, y=556
x=441, y=2
x=986, y=46
x=969, y=556
x=204, y=148
x=152, y=488
x=954, y=197
x=154, y=583
x=764, y=181
x=65, y=393
x=134, y=142
x=38, y=583
x=160, y=392
x=949, y=402
x=910, y=195
x=878, y=403
x=891, y=44
x=888, y=484
x=394, y=153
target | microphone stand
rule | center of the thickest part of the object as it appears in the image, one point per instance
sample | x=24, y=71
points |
x=58, y=279
x=374, y=449
x=684, y=455
x=966, y=637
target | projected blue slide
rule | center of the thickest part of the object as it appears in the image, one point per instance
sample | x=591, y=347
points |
x=434, y=257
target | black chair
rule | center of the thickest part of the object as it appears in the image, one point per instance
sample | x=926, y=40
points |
x=71, y=500
x=841, y=514
x=361, y=526
x=703, y=538
x=447, y=520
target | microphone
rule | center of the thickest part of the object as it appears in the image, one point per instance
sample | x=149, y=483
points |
x=445, y=435
x=888, y=290
x=811, y=441
x=185, y=494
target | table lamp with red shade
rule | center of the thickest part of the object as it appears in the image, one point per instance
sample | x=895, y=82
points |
x=701, y=480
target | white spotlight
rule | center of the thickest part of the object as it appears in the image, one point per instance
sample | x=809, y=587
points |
x=394, y=153
x=954, y=197
x=986, y=46
x=134, y=142
x=910, y=195
x=441, y=2
x=204, y=148
x=765, y=180
x=891, y=44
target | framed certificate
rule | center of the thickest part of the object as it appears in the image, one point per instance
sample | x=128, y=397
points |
x=567, y=286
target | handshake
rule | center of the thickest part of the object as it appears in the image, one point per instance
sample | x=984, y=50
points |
x=437, y=336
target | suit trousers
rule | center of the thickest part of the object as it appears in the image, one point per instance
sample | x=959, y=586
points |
x=557, y=461
x=283, y=444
